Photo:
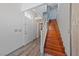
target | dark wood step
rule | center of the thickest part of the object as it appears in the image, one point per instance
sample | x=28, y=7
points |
x=54, y=41
x=54, y=53
x=54, y=45
x=56, y=49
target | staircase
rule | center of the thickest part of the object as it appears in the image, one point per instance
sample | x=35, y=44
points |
x=53, y=44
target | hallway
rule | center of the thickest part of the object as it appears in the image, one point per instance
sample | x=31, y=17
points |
x=54, y=45
x=53, y=24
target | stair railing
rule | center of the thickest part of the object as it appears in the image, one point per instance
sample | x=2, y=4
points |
x=43, y=33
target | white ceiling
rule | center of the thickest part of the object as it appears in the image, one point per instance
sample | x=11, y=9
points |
x=26, y=6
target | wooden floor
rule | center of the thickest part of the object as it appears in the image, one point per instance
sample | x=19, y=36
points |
x=54, y=45
x=31, y=49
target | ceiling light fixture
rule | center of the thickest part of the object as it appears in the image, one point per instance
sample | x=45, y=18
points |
x=28, y=15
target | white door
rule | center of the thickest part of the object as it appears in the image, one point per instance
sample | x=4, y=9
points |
x=75, y=29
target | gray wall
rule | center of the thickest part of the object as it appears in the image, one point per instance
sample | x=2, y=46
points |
x=52, y=13
x=63, y=19
x=12, y=27
x=31, y=30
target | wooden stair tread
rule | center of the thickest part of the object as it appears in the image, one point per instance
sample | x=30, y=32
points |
x=54, y=45
x=54, y=53
x=56, y=49
x=53, y=40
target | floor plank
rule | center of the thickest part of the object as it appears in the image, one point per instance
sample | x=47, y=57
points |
x=31, y=49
